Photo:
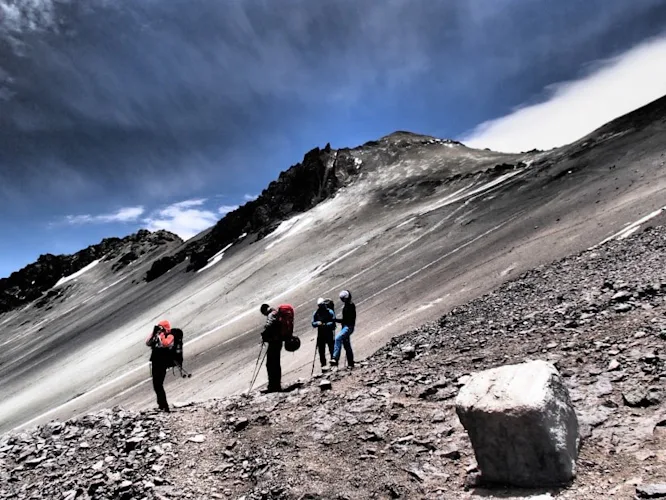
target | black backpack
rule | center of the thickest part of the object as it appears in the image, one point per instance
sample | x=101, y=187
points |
x=177, y=348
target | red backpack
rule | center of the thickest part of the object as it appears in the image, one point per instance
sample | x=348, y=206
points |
x=285, y=315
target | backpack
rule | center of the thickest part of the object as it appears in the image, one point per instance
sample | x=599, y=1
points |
x=176, y=350
x=285, y=315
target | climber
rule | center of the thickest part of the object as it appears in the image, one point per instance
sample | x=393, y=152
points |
x=324, y=320
x=160, y=341
x=274, y=337
x=348, y=322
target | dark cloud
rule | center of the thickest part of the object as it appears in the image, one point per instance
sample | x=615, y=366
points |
x=151, y=99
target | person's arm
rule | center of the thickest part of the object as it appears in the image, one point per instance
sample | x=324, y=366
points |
x=331, y=322
x=152, y=338
x=315, y=323
x=166, y=339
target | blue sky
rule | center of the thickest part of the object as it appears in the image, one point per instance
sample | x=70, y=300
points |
x=165, y=114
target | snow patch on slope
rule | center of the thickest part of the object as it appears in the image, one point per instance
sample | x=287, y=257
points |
x=289, y=228
x=215, y=258
x=632, y=228
x=78, y=273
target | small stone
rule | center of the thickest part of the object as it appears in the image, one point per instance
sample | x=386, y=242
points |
x=69, y=495
x=621, y=296
x=639, y=335
x=408, y=352
x=325, y=385
x=643, y=455
x=199, y=438
x=620, y=308
x=241, y=424
x=613, y=365
x=451, y=453
x=651, y=491
x=125, y=485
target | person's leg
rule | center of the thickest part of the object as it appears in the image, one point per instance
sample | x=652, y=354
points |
x=346, y=342
x=273, y=367
x=330, y=342
x=159, y=373
x=339, y=339
x=321, y=346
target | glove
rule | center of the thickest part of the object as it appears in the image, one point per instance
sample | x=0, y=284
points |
x=317, y=323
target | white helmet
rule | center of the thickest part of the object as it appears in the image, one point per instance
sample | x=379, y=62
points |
x=344, y=295
x=320, y=301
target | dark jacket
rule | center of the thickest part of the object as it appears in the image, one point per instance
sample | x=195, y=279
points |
x=272, y=328
x=326, y=317
x=348, y=315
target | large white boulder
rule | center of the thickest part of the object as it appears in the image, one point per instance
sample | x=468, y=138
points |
x=522, y=425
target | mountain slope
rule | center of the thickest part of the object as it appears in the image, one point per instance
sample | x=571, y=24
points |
x=420, y=227
x=388, y=429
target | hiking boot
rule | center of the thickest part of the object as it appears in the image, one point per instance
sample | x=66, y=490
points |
x=270, y=389
x=333, y=362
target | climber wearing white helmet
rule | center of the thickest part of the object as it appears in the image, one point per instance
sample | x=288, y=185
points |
x=324, y=320
x=348, y=322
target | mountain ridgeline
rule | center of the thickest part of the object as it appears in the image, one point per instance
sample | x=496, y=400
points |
x=29, y=283
x=318, y=177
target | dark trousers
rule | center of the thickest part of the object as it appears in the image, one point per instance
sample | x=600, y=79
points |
x=159, y=373
x=325, y=339
x=273, y=364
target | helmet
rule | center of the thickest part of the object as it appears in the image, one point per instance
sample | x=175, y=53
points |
x=264, y=309
x=345, y=295
x=292, y=344
x=320, y=301
x=165, y=324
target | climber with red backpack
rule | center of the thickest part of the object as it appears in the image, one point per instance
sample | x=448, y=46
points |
x=279, y=329
x=161, y=341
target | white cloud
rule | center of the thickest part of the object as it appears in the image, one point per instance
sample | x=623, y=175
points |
x=576, y=108
x=225, y=209
x=182, y=218
x=127, y=214
x=250, y=197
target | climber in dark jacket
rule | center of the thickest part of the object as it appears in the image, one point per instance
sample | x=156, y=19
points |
x=271, y=335
x=348, y=322
x=160, y=342
x=324, y=320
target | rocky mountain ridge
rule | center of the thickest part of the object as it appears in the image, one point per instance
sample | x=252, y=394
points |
x=388, y=429
x=319, y=176
x=30, y=282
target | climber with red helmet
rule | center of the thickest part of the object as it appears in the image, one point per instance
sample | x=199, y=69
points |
x=160, y=342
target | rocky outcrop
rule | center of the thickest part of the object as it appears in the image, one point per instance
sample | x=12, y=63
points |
x=522, y=425
x=32, y=281
x=304, y=185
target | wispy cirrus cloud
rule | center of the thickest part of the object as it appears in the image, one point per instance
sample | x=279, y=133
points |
x=576, y=108
x=126, y=214
x=250, y=197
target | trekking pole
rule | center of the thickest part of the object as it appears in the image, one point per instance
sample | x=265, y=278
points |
x=255, y=368
x=315, y=357
x=256, y=375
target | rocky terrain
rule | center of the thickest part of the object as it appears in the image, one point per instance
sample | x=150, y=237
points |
x=388, y=429
x=30, y=283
